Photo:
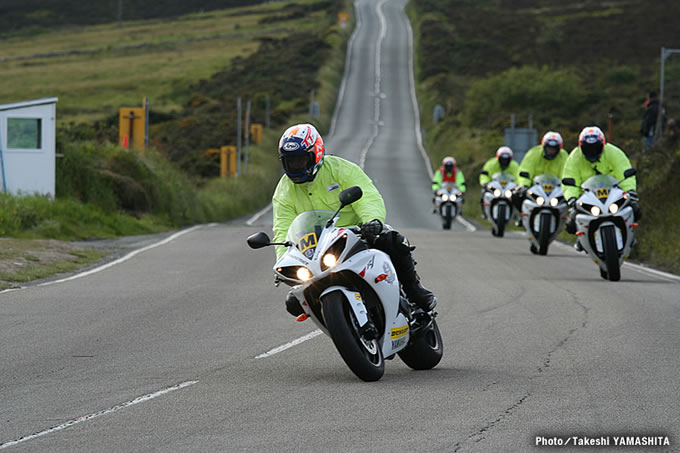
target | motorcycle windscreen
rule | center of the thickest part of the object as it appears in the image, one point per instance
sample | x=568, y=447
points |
x=600, y=185
x=306, y=228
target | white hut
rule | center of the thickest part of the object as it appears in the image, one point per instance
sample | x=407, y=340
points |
x=27, y=147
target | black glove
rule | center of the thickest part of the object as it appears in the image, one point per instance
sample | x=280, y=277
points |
x=372, y=229
x=633, y=195
x=572, y=202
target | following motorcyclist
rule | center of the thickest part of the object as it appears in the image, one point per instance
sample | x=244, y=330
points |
x=594, y=156
x=448, y=172
x=313, y=180
x=546, y=158
x=503, y=162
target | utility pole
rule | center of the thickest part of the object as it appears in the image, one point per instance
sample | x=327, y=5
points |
x=245, y=169
x=120, y=11
x=665, y=53
x=238, y=136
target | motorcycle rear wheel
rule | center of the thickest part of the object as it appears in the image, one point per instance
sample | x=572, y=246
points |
x=424, y=352
x=363, y=357
x=611, y=253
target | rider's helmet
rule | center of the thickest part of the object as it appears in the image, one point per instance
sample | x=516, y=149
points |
x=301, y=151
x=504, y=156
x=591, y=141
x=552, y=144
x=449, y=163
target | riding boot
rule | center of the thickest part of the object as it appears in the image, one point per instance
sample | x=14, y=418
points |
x=415, y=291
x=399, y=250
x=293, y=305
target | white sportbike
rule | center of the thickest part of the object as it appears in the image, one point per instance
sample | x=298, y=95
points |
x=543, y=212
x=496, y=201
x=605, y=222
x=352, y=293
x=448, y=202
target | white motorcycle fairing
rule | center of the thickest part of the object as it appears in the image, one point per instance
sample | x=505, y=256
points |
x=496, y=201
x=544, y=210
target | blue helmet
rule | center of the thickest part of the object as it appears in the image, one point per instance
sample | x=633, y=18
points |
x=301, y=151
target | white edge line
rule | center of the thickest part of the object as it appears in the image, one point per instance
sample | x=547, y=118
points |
x=126, y=257
x=414, y=100
x=637, y=267
x=378, y=81
x=345, y=75
x=289, y=345
x=259, y=214
x=84, y=418
x=469, y=226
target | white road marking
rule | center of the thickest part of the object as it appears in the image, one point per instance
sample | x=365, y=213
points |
x=470, y=227
x=414, y=100
x=84, y=418
x=259, y=214
x=126, y=257
x=289, y=345
x=378, y=80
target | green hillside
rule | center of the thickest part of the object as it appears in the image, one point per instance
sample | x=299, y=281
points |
x=565, y=65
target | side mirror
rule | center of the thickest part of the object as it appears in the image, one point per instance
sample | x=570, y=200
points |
x=349, y=196
x=524, y=174
x=569, y=182
x=630, y=172
x=258, y=240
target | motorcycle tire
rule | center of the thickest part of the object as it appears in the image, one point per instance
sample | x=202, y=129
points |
x=447, y=217
x=500, y=221
x=362, y=356
x=425, y=352
x=544, y=234
x=611, y=253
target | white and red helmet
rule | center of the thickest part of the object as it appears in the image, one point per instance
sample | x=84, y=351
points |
x=504, y=156
x=591, y=140
x=449, y=163
x=301, y=151
x=552, y=144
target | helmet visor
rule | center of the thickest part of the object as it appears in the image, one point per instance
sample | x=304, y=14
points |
x=550, y=152
x=296, y=163
x=504, y=161
x=592, y=151
x=448, y=167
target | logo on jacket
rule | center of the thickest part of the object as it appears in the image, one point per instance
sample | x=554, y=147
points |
x=333, y=187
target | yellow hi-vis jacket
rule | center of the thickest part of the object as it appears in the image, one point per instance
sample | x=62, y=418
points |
x=334, y=176
x=535, y=163
x=612, y=162
x=491, y=167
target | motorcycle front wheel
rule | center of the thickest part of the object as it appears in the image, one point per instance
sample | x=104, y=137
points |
x=500, y=221
x=611, y=253
x=364, y=357
x=424, y=352
x=447, y=217
x=544, y=234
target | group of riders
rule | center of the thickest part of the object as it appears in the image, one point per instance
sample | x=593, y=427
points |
x=313, y=180
x=592, y=156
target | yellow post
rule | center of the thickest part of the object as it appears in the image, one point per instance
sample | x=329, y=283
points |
x=229, y=153
x=256, y=133
x=132, y=127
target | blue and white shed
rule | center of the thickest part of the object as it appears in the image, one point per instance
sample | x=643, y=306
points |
x=27, y=147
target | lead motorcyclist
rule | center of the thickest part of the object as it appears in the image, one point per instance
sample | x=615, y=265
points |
x=547, y=158
x=502, y=162
x=594, y=156
x=313, y=180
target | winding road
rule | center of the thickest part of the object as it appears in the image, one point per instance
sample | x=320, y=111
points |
x=185, y=345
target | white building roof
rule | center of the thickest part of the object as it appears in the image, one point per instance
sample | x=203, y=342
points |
x=31, y=103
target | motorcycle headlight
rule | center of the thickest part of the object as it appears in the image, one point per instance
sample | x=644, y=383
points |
x=540, y=200
x=453, y=198
x=595, y=211
x=497, y=192
x=554, y=202
x=304, y=274
x=445, y=197
x=508, y=193
x=329, y=260
x=613, y=208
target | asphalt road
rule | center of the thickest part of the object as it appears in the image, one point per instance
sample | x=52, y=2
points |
x=176, y=348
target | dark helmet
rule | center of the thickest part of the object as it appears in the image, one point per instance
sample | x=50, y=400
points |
x=504, y=156
x=552, y=144
x=301, y=151
x=592, y=141
x=449, y=163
